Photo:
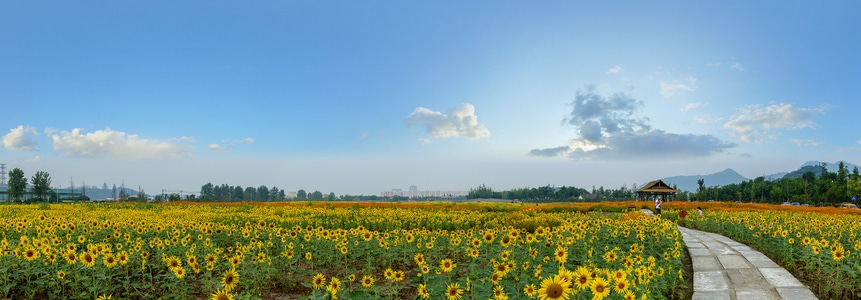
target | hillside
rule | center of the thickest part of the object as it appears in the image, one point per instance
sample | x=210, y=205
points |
x=689, y=183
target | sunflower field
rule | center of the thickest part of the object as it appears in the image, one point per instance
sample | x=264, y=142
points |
x=337, y=250
x=819, y=245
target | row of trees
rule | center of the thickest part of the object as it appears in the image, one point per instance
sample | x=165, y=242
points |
x=226, y=193
x=554, y=194
x=40, y=185
x=815, y=186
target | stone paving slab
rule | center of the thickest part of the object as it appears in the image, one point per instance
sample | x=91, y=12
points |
x=780, y=277
x=726, y=269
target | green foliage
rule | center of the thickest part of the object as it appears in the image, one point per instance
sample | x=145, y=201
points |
x=17, y=184
x=815, y=186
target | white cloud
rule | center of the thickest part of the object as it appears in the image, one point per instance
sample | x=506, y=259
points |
x=230, y=144
x=757, y=123
x=807, y=142
x=737, y=66
x=859, y=141
x=36, y=159
x=21, y=138
x=109, y=143
x=690, y=106
x=609, y=129
x=614, y=70
x=669, y=89
x=365, y=133
x=460, y=121
x=185, y=139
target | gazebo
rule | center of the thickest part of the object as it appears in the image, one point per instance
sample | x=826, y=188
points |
x=656, y=188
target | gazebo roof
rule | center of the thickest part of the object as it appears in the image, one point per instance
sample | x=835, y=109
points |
x=657, y=187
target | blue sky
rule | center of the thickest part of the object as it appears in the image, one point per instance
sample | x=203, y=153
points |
x=358, y=97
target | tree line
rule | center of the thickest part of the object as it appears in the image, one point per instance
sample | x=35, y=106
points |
x=815, y=186
x=229, y=193
x=554, y=194
x=40, y=186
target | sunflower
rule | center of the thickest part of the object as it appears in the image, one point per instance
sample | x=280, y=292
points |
x=446, y=265
x=554, y=288
x=561, y=254
x=229, y=280
x=419, y=258
x=334, y=285
x=422, y=291
x=88, y=259
x=319, y=281
x=109, y=260
x=61, y=275
x=498, y=291
x=629, y=295
x=30, y=253
x=505, y=241
x=453, y=291
x=222, y=295
x=173, y=263
x=399, y=276
x=179, y=272
x=530, y=290
x=123, y=258
x=389, y=274
x=621, y=285
x=838, y=254
x=71, y=257
x=600, y=288
x=582, y=277
x=367, y=281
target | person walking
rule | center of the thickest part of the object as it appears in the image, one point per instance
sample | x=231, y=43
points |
x=658, y=203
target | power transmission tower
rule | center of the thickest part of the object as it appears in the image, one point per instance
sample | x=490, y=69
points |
x=2, y=173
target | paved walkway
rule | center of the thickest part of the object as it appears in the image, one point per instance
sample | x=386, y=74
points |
x=729, y=270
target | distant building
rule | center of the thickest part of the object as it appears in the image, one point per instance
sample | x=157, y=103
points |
x=429, y=194
x=414, y=188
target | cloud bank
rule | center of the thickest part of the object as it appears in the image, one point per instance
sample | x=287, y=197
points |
x=608, y=128
x=460, y=121
x=109, y=143
x=21, y=138
x=757, y=123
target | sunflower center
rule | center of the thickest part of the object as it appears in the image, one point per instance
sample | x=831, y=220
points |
x=554, y=290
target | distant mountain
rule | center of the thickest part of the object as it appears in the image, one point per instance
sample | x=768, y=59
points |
x=775, y=176
x=815, y=167
x=98, y=193
x=729, y=176
x=689, y=183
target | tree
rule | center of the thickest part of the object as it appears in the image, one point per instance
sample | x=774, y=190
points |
x=237, y=194
x=41, y=185
x=273, y=194
x=301, y=195
x=206, y=191
x=331, y=197
x=316, y=195
x=17, y=184
x=250, y=194
x=114, y=192
x=262, y=193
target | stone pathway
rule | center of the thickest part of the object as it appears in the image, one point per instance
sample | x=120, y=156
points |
x=729, y=270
